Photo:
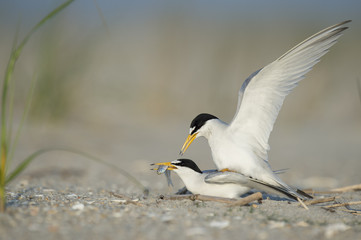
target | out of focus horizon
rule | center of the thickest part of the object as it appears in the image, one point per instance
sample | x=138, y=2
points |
x=151, y=66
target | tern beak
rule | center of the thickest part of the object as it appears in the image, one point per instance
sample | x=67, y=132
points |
x=169, y=164
x=188, y=142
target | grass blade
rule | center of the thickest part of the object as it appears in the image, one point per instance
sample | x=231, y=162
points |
x=6, y=130
x=37, y=26
x=100, y=13
x=22, y=166
x=23, y=118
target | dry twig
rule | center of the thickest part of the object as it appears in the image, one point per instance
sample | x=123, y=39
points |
x=302, y=203
x=351, y=188
x=342, y=204
x=253, y=197
x=313, y=192
x=354, y=212
x=319, y=200
x=127, y=199
x=232, y=202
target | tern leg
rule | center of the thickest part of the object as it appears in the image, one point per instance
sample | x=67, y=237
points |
x=226, y=170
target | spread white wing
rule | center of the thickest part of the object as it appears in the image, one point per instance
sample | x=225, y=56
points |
x=263, y=92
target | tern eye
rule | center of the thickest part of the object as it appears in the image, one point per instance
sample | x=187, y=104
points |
x=200, y=120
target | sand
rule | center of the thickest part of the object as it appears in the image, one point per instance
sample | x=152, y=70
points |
x=64, y=196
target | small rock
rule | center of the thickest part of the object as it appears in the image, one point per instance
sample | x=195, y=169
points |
x=335, y=228
x=219, y=224
x=78, y=206
x=11, y=194
x=48, y=190
x=119, y=200
x=302, y=224
x=38, y=197
x=71, y=196
x=276, y=224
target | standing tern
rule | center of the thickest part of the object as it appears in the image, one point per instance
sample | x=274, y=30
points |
x=242, y=146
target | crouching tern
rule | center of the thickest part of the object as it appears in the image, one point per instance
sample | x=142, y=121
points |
x=242, y=146
x=197, y=182
x=219, y=184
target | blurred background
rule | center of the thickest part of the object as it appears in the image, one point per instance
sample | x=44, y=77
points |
x=122, y=80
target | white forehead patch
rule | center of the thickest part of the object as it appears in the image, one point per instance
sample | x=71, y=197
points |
x=176, y=161
x=191, y=130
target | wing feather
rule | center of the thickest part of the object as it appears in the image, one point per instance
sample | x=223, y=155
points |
x=263, y=92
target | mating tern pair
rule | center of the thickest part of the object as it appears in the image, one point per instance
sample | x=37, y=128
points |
x=241, y=147
x=213, y=182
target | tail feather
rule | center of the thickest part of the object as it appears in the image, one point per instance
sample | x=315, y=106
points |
x=304, y=194
x=285, y=190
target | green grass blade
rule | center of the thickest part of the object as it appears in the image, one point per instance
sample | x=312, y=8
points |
x=11, y=90
x=100, y=13
x=15, y=53
x=22, y=166
x=23, y=118
x=14, y=57
x=37, y=26
x=6, y=130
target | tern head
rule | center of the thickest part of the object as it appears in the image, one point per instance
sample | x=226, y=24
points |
x=181, y=166
x=198, y=128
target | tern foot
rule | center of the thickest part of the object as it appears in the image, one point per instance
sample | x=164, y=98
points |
x=226, y=170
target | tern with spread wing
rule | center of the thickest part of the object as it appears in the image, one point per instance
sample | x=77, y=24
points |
x=242, y=146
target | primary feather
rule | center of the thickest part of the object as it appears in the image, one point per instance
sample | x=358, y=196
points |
x=263, y=92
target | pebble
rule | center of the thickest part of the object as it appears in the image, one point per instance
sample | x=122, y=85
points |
x=71, y=196
x=335, y=228
x=48, y=190
x=11, y=194
x=78, y=206
x=118, y=200
x=276, y=224
x=219, y=224
x=302, y=224
x=38, y=196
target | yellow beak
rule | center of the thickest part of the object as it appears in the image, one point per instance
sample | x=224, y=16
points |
x=169, y=164
x=188, y=142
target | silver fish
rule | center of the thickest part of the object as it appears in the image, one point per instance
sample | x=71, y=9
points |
x=169, y=179
x=164, y=169
x=161, y=169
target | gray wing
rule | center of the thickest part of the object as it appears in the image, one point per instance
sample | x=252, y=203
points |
x=237, y=178
x=226, y=177
x=262, y=94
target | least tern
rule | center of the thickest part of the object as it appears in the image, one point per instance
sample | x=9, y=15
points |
x=195, y=180
x=216, y=183
x=242, y=146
